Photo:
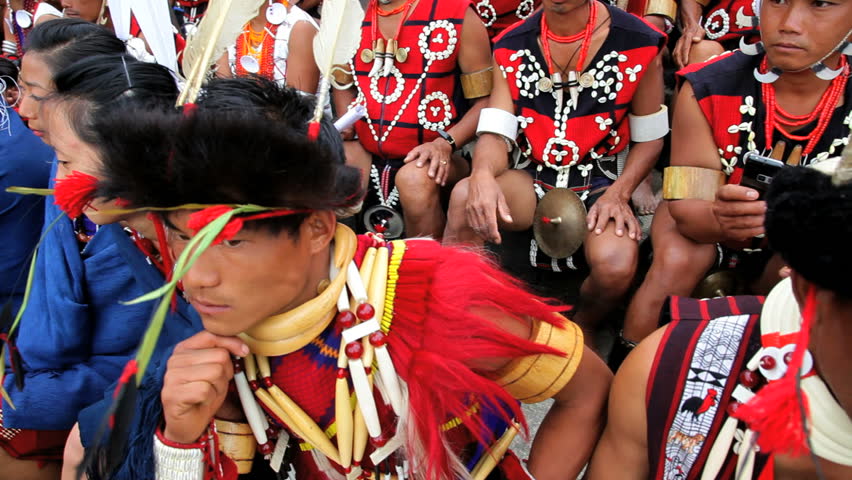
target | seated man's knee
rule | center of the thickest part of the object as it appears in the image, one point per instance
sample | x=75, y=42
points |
x=704, y=50
x=459, y=195
x=414, y=183
x=679, y=258
x=614, y=264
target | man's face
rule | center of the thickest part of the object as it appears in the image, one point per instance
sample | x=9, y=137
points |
x=799, y=33
x=238, y=283
x=88, y=10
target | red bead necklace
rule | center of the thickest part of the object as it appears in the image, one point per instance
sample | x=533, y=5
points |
x=585, y=35
x=377, y=12
x=777, y=118
x=265, y=54
x=388, y=13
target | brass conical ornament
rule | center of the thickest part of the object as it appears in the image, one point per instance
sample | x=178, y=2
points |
x=560, y=223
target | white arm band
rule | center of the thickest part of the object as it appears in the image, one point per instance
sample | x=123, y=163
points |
x=649, y=127
x=172, y=463
x=499, y=121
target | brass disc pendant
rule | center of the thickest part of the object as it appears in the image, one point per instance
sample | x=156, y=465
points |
x=367, y=55
x=587, y=80
x=545, y=84
x=401, y=55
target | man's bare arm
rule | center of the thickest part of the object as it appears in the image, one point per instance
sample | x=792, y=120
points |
x=622, y=452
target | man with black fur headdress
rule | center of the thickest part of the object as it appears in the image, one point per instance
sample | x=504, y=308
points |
x=292, y=323
x=743, y=388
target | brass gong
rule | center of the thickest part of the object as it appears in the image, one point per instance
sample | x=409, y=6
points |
x=560, y=223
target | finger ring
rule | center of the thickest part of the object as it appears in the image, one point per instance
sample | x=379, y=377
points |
x=443, y=162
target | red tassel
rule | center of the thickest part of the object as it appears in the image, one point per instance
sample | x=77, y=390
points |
x=130, y=370
x=313, y=131
x=74, y=192
x=775, y=413
x=202, y=218
x=189, y=109
x=124, y=380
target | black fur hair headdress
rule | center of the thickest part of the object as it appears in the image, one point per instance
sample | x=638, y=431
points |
x=245, y=142
x=808, y=223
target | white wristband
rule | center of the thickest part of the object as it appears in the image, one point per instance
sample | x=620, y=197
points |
x=172, y=463
x=649, y=127
x=499, y=121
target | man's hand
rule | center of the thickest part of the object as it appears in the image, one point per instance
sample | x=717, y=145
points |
x=485, y=200
x=692, y=33
x=437, y=155
x=689, y=13
x=612, y=206
x=739, y=213
x=196, y=383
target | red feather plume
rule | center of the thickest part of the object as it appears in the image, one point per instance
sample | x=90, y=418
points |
x=75, y=192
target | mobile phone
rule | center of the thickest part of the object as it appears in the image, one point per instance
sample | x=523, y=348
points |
x=758, y=172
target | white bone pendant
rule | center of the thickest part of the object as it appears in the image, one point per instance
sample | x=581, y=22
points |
x=390, y=379
x=254, y=415
x=364, y=392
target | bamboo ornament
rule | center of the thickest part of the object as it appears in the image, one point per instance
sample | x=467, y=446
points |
x=360, y=440
x=236, y=441
x=303, y=422
x=263, y=366
x=492, y=457
x=681, y=183
x=343, y=418
x=535, y=378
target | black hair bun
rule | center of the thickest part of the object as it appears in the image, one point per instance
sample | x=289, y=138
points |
x=808, y=223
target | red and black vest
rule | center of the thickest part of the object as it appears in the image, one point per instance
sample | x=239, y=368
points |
x=701, y=355
x=498, y=15
x=598, y=127
x=422, y=94
x=726, y=20
x=730, y=98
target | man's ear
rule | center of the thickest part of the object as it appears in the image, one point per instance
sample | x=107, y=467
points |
x=320, y=228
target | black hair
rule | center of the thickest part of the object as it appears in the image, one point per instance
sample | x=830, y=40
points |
x=8, y=73
x=244, y=142
x=809, y=222
x=90, y=87
x=64, y=41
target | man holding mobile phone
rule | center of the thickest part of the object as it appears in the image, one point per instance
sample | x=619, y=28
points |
x=789, y=91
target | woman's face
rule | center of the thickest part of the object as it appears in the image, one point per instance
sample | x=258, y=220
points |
x=799, y=33
x=73, y=154
x=36, y=83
